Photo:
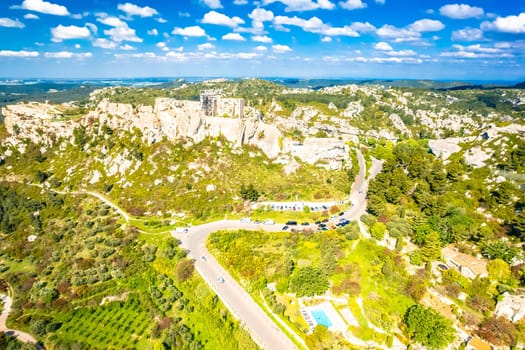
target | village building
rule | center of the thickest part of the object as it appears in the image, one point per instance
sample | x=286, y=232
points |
x=468, y=265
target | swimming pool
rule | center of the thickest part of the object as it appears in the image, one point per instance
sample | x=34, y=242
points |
x=321, y=318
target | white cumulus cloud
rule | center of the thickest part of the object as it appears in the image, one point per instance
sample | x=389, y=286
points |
x=262, y=39
x=31, y=16
x=213, y=4
x=153, y=32
x=509, y=24
x=281, y=48
x=61, y=32
x=134, y=10
x=214, y=17
x=315, y=25
x=326, y=39
x=261, y=48
x=45, y=7
x=205, y=46
x=120, y=31
x=461, y=11
x=195, y=31
x=233, y=36
x=363, y=27
x=467, y=34
x=11, y=23
x=382, y=46
x=303, y=5
x=23, y=53
x=67, y=54
x=104, y=43
x=427, y=25
x=353, y=4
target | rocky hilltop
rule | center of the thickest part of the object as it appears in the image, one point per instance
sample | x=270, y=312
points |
x=172, y=119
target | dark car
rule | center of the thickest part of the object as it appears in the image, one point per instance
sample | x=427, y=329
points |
x=325, y=220
x=291, y=223
x=285, y=228
x=305, y=223
x=342, y=213
x=317, y=222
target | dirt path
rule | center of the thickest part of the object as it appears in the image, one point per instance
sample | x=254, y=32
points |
x=22, y=336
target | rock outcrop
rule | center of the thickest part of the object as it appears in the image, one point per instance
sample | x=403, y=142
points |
x=512, y=307
x=174, y=120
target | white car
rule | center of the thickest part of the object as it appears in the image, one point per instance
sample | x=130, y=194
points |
x=246, y=220
x=220, y=279
x=269, y=222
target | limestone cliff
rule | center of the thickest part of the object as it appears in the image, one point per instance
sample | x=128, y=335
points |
x=175, y=120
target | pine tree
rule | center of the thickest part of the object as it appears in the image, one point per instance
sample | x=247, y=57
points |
x=431, y=247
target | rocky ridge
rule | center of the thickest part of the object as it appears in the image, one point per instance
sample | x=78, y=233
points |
x=174, y=120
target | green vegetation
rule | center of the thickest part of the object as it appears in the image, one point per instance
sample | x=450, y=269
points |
x=88, y=281
x=164, y=169
x=308, y=281
x=428, y=327
x=307, y=263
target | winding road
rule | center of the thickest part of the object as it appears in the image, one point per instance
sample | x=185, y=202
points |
x=22, y=336
x=262, y=329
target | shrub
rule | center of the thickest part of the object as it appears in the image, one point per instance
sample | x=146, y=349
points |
x=309, y=281
x=184, y=269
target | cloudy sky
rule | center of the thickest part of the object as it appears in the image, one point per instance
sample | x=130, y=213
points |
x=464, y=40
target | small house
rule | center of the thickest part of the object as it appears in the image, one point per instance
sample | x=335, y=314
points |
x=468, y=265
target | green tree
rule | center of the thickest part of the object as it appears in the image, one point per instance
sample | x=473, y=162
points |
x=184, y=269
x=431, y=249
x=499, y=270
x=376, y=204
x=249, y=193
x=309, y=281
x=378, y=230
x=499, y=250
x=428, y=327
x=519, y=226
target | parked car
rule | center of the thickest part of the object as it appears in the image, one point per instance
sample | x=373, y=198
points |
x=220, y=279
x=246, y=220
x=269, y=222
x=257, y=222
x=203, y=258
x=291, y=222
x=305, y=223
x=285, y=227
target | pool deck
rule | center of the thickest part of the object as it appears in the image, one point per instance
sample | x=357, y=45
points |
x=338, y=324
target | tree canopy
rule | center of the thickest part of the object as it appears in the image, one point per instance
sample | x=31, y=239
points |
x=309, y=281
x=428, y=327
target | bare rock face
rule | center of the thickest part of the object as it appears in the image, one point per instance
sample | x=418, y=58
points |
x=398, y=123
x=264, y=136
x=330, y=152
x=512, y=307
x=175, y=120
x=444, y=148
x=38, y=122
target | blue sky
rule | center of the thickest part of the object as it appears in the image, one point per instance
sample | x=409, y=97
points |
x=463, y=40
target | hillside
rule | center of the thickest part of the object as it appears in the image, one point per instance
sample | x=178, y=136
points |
x=182, y=154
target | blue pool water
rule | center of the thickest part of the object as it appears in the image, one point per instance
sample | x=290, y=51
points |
x=321, y=318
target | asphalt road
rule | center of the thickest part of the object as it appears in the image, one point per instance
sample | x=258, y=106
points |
x=262, y=329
